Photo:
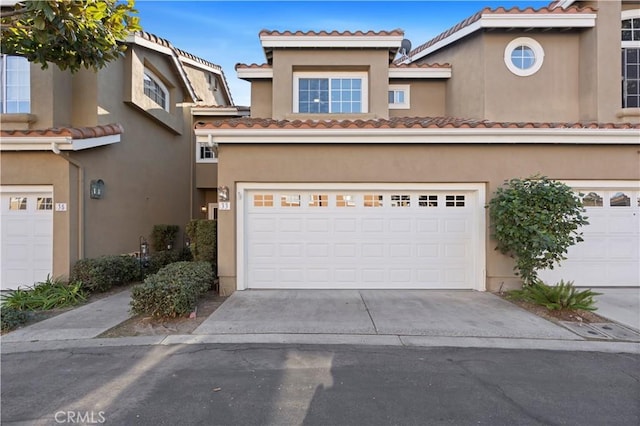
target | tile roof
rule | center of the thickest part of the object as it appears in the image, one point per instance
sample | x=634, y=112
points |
x=401, y=123
x=252, y=66
x=72, y=132
x=396, y=32
x=418, y=66
x=499, y=11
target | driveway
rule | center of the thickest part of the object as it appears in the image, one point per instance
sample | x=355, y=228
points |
x=455, y=313
x=621, y=305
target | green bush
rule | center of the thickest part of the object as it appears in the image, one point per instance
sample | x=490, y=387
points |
x=535, y=220
x=11, y=318
x=173, y=291
x=163, y=237
x=49, y=294
x=102, y=273
x=203, y=236
x=561, y=296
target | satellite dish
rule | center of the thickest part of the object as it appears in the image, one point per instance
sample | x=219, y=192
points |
x=405, y=47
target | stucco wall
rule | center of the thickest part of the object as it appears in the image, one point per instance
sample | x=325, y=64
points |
x=261, y=98
x=427, y=98
x=412, y=163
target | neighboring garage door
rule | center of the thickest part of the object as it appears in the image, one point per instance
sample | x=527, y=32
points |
x=386, y=237
x=26, y=222
x=609, y=256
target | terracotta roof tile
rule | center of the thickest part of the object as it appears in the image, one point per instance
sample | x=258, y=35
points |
x=73, y=132
x=252, y=66
x=415, y=65
x=498, y=11
x=401, y=123
x=396, y=32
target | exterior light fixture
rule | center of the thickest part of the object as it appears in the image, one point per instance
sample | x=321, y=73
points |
x=144, y=252
x=96, y=189
x=223, y=193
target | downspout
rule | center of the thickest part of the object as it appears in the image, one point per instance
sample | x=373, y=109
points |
x=80, y=242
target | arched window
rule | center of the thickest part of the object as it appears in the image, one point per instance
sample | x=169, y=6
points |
x=155, y=90
x=630, y=43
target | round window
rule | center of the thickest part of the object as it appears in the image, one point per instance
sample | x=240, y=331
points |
x=523, y=56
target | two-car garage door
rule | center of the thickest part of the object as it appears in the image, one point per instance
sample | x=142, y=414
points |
x=352, y=236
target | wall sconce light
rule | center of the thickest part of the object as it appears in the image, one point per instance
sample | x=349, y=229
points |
x=223, y=193
x=96, y=189
x=203, y=209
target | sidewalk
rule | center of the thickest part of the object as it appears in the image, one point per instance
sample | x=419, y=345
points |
x=371, y=317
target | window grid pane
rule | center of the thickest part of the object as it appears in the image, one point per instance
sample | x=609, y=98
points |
x=630, y=78
x=154, y=91
x=44, y=203
x=329, y=95
x=18, y=203
x=428, y=201
x=373, y=200
x=15, y=90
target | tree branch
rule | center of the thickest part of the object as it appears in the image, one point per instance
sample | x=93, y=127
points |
x=14, y=12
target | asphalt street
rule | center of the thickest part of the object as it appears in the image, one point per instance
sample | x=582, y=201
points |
x=318, y=385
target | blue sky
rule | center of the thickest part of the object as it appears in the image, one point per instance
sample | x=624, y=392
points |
x=226, y=32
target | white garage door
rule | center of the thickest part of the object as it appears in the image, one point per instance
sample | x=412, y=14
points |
x=345, y=238
x=609, y=256
x=26, y=222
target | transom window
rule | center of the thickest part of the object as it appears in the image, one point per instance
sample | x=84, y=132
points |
x=523, y=56
x=630, y=43
x=15, y=85
x=330, y=94
x=156, y=90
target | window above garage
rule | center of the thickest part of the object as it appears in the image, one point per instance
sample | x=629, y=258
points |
x=330, y=93
x=15, y=87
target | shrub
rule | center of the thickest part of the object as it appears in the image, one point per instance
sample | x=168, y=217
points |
x=561, y=296
x=173, y=291
x=163, y=236
x=203, y=235
x=49, y=294
x=101, y=273
x=535, y=220
x=11, y=318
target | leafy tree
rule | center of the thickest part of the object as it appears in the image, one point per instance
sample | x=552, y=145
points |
x=68, y=33
x=535, y=220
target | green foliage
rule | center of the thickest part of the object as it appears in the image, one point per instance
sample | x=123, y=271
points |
x=535, y=220
x=163, y=236
x=561, y=296
x=70, y=34
x=11, y=318
x=49, y=294
x=203, y=235
x=160, y=259
x=102, y=273
x=173, y=291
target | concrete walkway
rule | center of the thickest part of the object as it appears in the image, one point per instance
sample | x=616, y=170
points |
x=621, y=305
x=361, y=317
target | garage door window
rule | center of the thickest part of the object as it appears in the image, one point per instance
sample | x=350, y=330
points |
x=18, y=203
x=620, y=199
x=373, y=200
x=263, y=200
x=428, y=201
x=345, y=201
x=400, y=201
x=290, y=201
x=45, y=203
x=318, y=200
x=592, y=199
x=454, y=201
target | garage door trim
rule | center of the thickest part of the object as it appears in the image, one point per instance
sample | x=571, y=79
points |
x=479, y=233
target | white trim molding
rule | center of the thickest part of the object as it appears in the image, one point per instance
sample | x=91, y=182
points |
x=538, y=56
x=49, y=143
x=441, y=72
x=332, y=41
x=254, y=73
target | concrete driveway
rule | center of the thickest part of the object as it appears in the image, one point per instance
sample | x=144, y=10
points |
x=621, y=305
x=383, y=312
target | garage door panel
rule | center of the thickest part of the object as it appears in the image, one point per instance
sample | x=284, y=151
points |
x=370, y=240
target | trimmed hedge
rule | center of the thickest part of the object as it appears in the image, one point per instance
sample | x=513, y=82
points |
x=163, y=235
x=160, y=259
x=173, y=291
x=11, y=318
x=101, y=273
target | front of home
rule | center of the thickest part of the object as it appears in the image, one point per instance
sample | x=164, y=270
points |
x=359, y=170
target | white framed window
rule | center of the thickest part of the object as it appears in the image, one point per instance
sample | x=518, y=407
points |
x=206, y=153
x=15, y=85
x=399, y=96
x=630, y=44
x=523, y=56
x=155, y=89
x=330, y=93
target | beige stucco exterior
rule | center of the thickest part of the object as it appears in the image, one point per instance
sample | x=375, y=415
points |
x=149, y=174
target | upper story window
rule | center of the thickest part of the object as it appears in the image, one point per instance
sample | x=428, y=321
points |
x=324, y=93
x=399, y=96
x=155, y=89
x=206, y=153
x=15, y=90
x=523, y=56
x=630, y=43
